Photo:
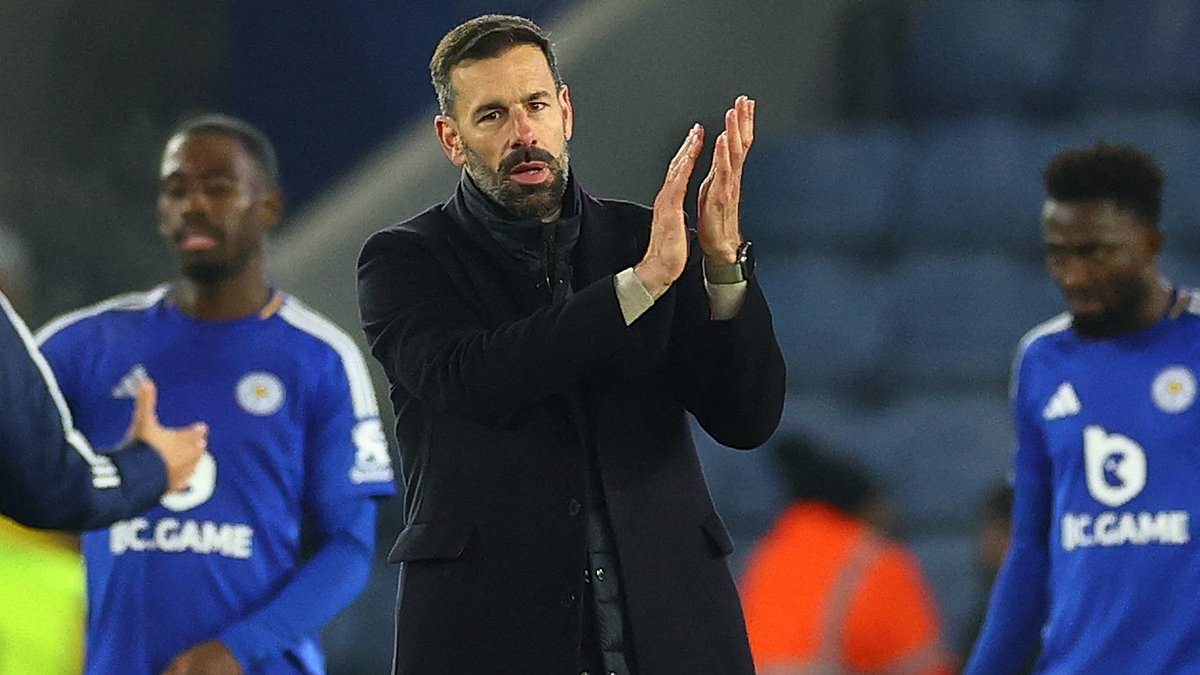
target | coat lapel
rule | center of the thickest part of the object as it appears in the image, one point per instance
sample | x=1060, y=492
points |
x=494, y=276
x=605, y=247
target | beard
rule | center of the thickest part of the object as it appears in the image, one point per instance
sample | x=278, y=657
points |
x=229, y=259
x=521, y=201
x=1121, y=316
x=204, y=272
x=207, y=272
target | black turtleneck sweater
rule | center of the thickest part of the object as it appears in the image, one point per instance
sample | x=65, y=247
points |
x=545, y=250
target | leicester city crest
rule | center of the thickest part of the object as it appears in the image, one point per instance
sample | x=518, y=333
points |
x=260, y=393
x=1174, y=389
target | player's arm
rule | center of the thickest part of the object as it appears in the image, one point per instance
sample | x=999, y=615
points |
x=1018, y=605
x=52, y=478
x=321, y=588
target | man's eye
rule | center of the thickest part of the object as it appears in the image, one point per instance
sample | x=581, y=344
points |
x=217, y=188
x=490, y=117
x=539, y=105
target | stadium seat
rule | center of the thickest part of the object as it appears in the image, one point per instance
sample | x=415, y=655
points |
x=949, y=563
x=1146, y=52
x=978, y=57
x=948, y=450
x=826, y=190
x=975, y=184
x=829, y=317
x=955, y=319
x=860, y=433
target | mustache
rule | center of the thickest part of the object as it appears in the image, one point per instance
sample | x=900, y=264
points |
x=199, y=226
x=527, y=154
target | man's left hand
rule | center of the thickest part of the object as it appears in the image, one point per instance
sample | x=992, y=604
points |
x=206, y=658
x=721, y=191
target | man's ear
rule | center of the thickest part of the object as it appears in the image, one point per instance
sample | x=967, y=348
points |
x=1155, y=238
x=447, y=133
x=568, y=112
x=271, y=207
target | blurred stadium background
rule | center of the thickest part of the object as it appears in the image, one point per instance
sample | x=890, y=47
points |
x=893, y=191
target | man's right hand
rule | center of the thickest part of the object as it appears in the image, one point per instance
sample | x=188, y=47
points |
x=180, y=448
x=667, y=253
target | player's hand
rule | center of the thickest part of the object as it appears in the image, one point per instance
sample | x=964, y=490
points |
x=206, y=658
x=180, y=449
x=666, y=255
x=721, y=191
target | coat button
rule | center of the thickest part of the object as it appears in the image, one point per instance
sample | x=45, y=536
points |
x=568, y=599
x=574, y=507
x=599, y=574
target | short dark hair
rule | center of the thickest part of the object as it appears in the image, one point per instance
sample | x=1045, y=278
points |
x=813, y=473
x=254, y=141
x=484, y=37
x=1128, y=177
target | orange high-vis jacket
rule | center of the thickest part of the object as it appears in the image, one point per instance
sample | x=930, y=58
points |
x=824, y=594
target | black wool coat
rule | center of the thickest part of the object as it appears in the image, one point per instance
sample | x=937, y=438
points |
x=500, y=396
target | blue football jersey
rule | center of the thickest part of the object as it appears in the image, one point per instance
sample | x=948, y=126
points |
x=1114, y=426
x=294, y=433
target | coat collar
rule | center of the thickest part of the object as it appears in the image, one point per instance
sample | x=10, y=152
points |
x=603, y=245
x=529, y=241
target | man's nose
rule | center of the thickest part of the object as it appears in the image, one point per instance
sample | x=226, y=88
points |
x=1073, y=273
x=523, y=131
x=195, y=201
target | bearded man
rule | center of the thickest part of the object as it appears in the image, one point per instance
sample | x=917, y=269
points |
x=544, y=348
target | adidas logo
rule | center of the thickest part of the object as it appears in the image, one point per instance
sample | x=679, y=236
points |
x=127, y=387
x=1063, y=403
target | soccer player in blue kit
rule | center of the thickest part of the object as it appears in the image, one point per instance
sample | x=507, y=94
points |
x=1102, y=566
x=211, y=580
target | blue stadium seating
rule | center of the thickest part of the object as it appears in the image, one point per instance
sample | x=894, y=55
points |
x=860, y=433
x=829, y=317
x=1005, y=56
x=1141, y=53
x=990, y=91
x=949, y=565
x=955, y=319
x=976, y=183
x=947, y=450
x=824, y=189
